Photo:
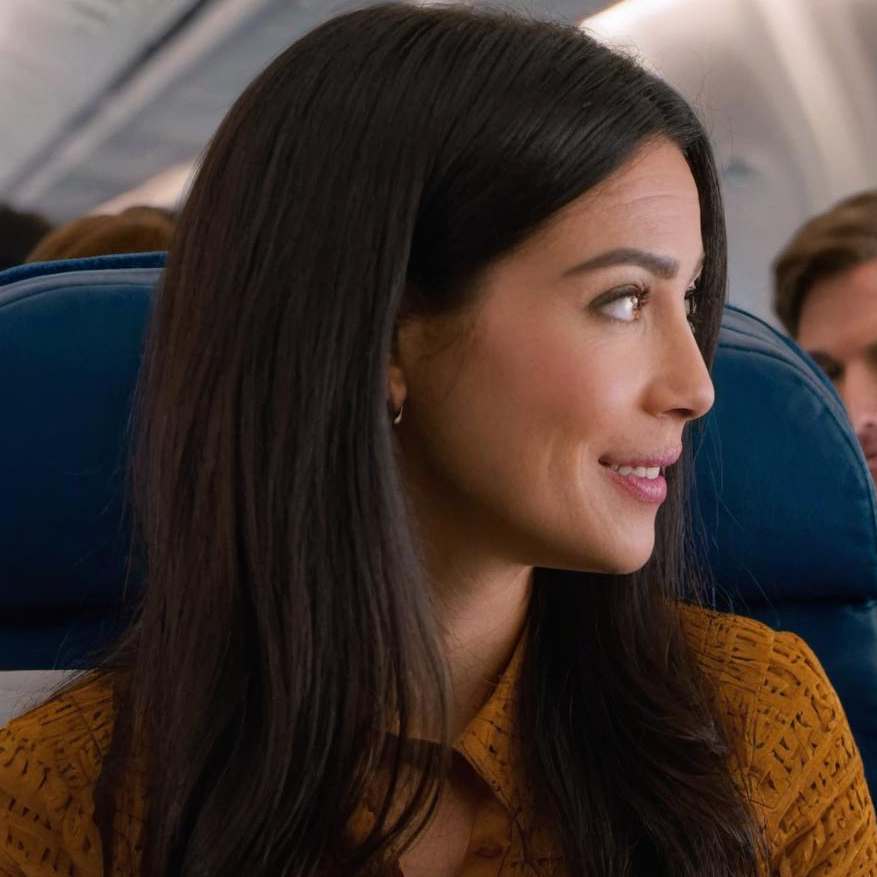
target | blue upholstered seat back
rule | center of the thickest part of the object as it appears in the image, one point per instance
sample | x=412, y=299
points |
x=70, y=339
x=786, y=498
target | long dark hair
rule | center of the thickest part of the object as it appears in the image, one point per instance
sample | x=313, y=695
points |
x=367, y=175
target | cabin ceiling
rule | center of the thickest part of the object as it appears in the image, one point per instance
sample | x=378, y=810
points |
x=101, y=95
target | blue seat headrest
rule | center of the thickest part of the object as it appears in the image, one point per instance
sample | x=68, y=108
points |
x=70, y=347
x=785, y=495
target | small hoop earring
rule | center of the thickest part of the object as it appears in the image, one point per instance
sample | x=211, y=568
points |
x=398, y=418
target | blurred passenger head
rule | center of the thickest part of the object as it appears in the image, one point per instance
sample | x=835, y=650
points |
x=826, y=296
x=135, y=230
x=19, y=233
x=500, y=222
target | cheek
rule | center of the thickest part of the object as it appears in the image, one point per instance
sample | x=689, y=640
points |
x=552, y=406
x=548, y=401
x=556, y=381
x=858, y=388
x=512, y=429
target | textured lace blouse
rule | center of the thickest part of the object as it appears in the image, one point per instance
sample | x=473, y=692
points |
x=796, y=759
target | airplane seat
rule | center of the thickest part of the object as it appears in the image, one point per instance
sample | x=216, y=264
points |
x=789, y=510
x=783, y=490
x=70, y=341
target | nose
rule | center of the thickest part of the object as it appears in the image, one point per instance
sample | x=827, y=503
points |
x=681, y=386
x=858, y=392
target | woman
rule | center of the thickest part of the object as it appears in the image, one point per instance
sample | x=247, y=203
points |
x=414, y=431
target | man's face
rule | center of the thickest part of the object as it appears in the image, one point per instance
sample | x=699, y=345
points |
x=838, y=328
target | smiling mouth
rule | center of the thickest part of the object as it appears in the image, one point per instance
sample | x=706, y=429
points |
x=641, y=475
x=649, y=472
x=646, y=484
x=636, y=461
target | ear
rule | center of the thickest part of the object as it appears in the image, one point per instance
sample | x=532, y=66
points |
x=396, y=387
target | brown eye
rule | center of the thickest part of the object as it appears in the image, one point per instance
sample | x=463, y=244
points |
x=626, y=306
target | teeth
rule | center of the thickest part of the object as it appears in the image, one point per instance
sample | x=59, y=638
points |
x=650, y=472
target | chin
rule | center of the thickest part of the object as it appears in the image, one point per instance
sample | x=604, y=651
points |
x=627, y=569
x=627, y=558
x=619, y=558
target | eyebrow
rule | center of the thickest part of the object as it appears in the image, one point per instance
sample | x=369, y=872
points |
x=664, y=267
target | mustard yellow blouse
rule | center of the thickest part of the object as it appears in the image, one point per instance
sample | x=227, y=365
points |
x=799, y=765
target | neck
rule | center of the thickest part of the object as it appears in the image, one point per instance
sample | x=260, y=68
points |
x=480, y=594
x=481, y=614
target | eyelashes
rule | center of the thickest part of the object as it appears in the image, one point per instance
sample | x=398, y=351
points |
x=628, y=303
x=693, y=299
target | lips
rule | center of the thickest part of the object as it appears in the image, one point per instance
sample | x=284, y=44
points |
x=651, y=491
x=647, y=460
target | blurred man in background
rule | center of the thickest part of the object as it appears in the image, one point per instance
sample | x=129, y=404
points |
x=19, y=233
x=826, y=296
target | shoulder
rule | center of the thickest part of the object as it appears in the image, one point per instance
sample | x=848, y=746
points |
x=792, y=746
x=50, y=759
x=735, y=653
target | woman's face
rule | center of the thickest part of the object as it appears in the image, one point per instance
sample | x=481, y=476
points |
x=577, y=357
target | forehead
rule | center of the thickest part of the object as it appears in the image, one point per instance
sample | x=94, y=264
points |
x=653, y=198
x=839, y=313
